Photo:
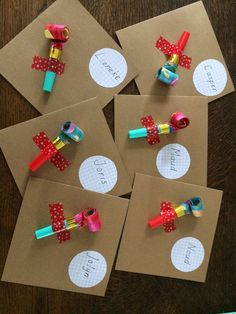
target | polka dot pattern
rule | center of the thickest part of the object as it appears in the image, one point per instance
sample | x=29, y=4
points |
x=152, y=130
x=48, y=149
x=168, y=213
x=58, y=226
x=168, y=49
x=185, y=62
x=41, y=140
x=60, y=161
x=48, y=64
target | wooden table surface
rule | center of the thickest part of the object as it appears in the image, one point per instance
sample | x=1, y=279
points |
x=130, y=292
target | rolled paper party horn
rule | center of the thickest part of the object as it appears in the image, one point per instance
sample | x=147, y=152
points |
x=59, y=34
x=169, y=212
x=50, y=150
x=151, y=130
x=167, y=74
x=60, y=226
x=56, y=32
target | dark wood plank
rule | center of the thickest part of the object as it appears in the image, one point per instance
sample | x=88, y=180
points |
x=129, y=292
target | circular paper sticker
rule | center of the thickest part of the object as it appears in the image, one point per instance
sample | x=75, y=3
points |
x=187, y=254
x=108, y=67
x=98, y=174
x=87, y=269
x=173, y=161
x=210, y=77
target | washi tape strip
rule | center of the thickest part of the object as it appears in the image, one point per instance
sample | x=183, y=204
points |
x=48, y=64
x=152, y=130
x=58, y=225
x=168, y=213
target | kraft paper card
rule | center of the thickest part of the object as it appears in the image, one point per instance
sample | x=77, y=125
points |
x=82, y=264
x=208, y=75
x=181, y=155
x=183, y=253
x=94, y=64
x=95, y=163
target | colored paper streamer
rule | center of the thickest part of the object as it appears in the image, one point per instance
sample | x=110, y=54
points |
x=167, y=74
x=59, y=34
x=152, y=130
x=61, y=226
x=170, y=212
x=50, y=150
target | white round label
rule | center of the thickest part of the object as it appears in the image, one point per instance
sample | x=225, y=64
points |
x=87, y=269
x=173, y=161
x=108, y=67
x=187, y=254
x=98, y=174
x=210, y=77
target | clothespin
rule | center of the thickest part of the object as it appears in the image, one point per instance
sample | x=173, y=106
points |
x=167, y=74
x=151, y=130
x=169, y=212
x=50, y=150
x=59, y=34
x=61, y=226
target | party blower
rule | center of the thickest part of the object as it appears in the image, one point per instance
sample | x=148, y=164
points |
x=151, y=130
x=169, y=212
x=61, y=226
x=50, y=150
x=167, y=74
x=59, y=34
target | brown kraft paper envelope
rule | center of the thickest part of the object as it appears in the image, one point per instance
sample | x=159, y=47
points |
x=139, y=156
x=101, y=174
x=148, y=251
x=76, y=84
x=45, y=262
x=139, y=42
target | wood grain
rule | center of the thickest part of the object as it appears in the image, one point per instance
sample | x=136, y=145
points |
x=129, y=292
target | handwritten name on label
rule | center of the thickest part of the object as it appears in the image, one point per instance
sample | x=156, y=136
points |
x=99, y=166
x=173, y=161
x=173, y=158
x=210, y=77
x=108, y=67
x=98, y=173
x=90, y=265
x=190, y=249
x=187, y=254
x=208, y=69
x=102, y=59
x=87, y=269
